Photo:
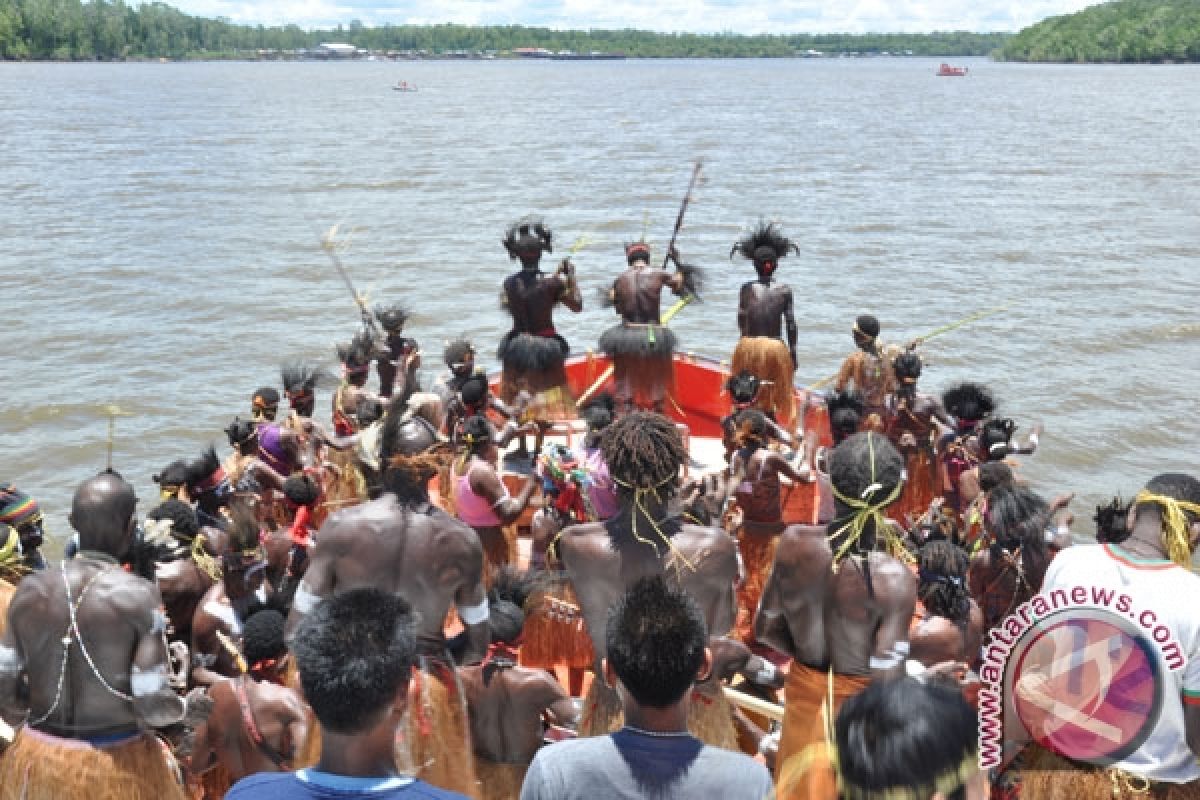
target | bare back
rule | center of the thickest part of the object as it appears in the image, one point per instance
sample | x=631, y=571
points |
x=430, y=558
x=531, y=297
x=277, y=715
x=637, y=294
x=116, y=625
x=762, y=307
x=834, y=620
x=702, y=561
x=506, y=711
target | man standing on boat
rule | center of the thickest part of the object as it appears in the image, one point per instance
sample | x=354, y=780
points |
x=869, y=371
x=532, y=353
x=838, y=600
x=764, y=311
x=641, y=347
x=402, y=544
x=603, y=559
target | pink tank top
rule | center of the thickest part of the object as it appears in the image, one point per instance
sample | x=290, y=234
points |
x=602, y=492
x=474, y=510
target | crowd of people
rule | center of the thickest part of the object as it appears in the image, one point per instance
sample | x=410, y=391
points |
x=414, y=601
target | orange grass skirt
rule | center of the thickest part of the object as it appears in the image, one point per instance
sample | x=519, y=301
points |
x=710, y=717
x=1048, y=776
x=758, y=556
x=555, y=634
x=499, y=781
x=805, y=693
x=42, y=767
x=769, y=359
x=436, y=745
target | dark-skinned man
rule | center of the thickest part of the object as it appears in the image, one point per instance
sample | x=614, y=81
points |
x=402, y=544
x=764, y=311
x=83, y=665
x=838, y=601
x=644, y=455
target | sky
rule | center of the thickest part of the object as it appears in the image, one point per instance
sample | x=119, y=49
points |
x=694, y=16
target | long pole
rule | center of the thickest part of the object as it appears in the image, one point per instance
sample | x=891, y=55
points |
x=327, y=244
x=687, y=199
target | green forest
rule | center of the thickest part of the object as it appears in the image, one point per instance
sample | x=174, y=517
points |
x=1125, y=31
x=71, y=30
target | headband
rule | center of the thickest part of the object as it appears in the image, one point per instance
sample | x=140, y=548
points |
x=212, y=481
x=867, y=509
x=1174, y=525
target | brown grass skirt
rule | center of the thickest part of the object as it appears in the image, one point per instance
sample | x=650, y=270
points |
x=42, y=767
x=499, y=781
x=769, y=359
x=499, y=549
x=436, y=746
x=646, y=367
x=804, y=695
x=215, y=783
x=758, y=556
x=920, y=486
x=1048, y=776
x=710, y=717
x=555, y=634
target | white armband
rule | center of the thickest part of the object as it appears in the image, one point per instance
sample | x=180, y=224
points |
x=147, y=682
x=891, y=658
x=158, y=622
x=474, y=615
x=304, y=601
x=10, y=661
x=914, y=668
x=766, y=675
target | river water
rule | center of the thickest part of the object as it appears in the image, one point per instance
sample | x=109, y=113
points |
x=160, y=241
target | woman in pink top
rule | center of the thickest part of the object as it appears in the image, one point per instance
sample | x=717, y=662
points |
x=482, y=500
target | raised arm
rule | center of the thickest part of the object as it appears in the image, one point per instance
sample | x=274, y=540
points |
x=569, y=295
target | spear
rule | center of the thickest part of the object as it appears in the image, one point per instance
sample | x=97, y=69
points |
x=978, y=315
x=687, y=199
x=327, y=244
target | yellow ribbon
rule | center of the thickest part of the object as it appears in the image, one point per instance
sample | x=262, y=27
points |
x=865, y=510
x=639, y=504
x=1175, y=525
x=10, y=550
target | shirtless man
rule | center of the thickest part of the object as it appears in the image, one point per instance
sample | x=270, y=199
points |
x=403, y=544
x=356, y=368
x=257, y=724
x=399, y=357
x=837, y=601
x=641, y=347
x=603, y=559
x=869, y=371
x=764, y=309
x=217, y=623
x=914, y=422
x=459, y=356
x=758, y=492
x=950, y=628
x=533, y=352
x=183, y=569
x=83, y=665
x=508, y=703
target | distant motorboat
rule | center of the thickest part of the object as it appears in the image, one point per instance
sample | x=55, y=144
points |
x=947, y=71
x=404, y=86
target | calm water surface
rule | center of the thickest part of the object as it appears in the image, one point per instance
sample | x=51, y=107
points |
x=160, y=239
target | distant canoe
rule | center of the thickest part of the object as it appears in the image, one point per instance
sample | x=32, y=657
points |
x=947, y=71
x=404, y=87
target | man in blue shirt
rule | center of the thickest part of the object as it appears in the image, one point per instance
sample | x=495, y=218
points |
x=355, y=652
x=656, y=652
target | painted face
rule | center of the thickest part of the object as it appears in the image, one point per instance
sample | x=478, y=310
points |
x=302, y=402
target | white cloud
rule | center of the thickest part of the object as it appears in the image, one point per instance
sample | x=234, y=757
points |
x=701, y=16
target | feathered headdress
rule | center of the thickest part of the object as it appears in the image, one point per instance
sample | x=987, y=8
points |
x=204, y=474
x=765, y=242
x=392, y=318
x=301, y=377
x=635, y=251
x=527, y=234
x=356, y=356
x=968, y=402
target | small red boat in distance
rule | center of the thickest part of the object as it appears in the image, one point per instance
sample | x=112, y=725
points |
x=947, y=71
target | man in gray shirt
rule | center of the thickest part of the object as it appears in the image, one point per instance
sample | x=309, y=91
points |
x=656, y=652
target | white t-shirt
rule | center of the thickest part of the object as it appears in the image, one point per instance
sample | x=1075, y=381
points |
x=1173, y=594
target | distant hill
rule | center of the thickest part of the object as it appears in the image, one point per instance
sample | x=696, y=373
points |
x=1121, y=32
x=73, y=30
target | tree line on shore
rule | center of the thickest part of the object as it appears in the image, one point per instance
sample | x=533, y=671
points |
x=73, y=30
x=1125, y=31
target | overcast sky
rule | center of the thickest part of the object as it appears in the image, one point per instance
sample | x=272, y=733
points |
x=699, y=16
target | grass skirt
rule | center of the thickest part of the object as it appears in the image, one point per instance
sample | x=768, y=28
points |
x=758, y=556
x=769, y=359
x=642, y=361
x=214, y=783
x=555, y=634
x=805, y=694
x=920, y=486
x=1048, y=776
x=436, y=745
x=531, y=363
x=43, y=767
x=499, y=781
x=710, y=717
x=499, y=549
